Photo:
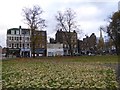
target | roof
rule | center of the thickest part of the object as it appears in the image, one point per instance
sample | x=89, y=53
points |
x=23, y=29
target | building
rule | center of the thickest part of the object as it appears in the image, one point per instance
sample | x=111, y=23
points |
x=87, y=45
x=40, y=43
x=67, y=39
x=18, y=42
x=55, y=49
x=80, y=47
x=52, y=40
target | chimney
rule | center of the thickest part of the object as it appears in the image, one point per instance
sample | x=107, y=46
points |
x=20, y=30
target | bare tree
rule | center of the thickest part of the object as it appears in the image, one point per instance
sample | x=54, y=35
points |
x=33, y=19
x=66, y=21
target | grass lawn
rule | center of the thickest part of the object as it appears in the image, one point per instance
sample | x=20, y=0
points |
x=84, y=72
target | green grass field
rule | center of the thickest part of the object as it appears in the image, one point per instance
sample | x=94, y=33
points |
x=84, y=72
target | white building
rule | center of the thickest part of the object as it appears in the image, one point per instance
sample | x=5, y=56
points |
x=55, y=49
x=18, y=42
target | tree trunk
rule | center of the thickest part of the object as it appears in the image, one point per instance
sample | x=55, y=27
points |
x=33, y=43
x=71, y=50
x=33, y=49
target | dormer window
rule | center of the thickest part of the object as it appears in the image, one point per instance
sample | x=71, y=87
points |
x=12, y=31
x=17, y=32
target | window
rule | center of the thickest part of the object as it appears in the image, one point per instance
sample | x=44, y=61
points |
x=12, y=45
x=28, y=45
x=75, y=46
x=27, y=38
x=43, y=46
x=59, y=47
x=12, y=38
x=23, y=45
x=20, y=38
x=75, y=51
x=27, y=32
x=65, y=45
x=12, y=31
x=39, y=45
x=73, y=40
x=20, y=45
x=24, y=32
x=43, y=34
x=9, y=38
x=23, y=38
x=9, y=45
x=74, y=36
x=65, y=51
x=17, y=38
x=17, y=45
x=17, y=32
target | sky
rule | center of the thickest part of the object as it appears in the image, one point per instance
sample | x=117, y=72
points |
x=90, y=14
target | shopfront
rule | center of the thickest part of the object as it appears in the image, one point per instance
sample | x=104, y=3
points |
x=14, y=52
x=25, y=52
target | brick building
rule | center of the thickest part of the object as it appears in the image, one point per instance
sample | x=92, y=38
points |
x=65, y=38
x=88, y=44
x=40, y=43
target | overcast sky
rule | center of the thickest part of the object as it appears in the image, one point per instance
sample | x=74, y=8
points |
x=90, y=14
